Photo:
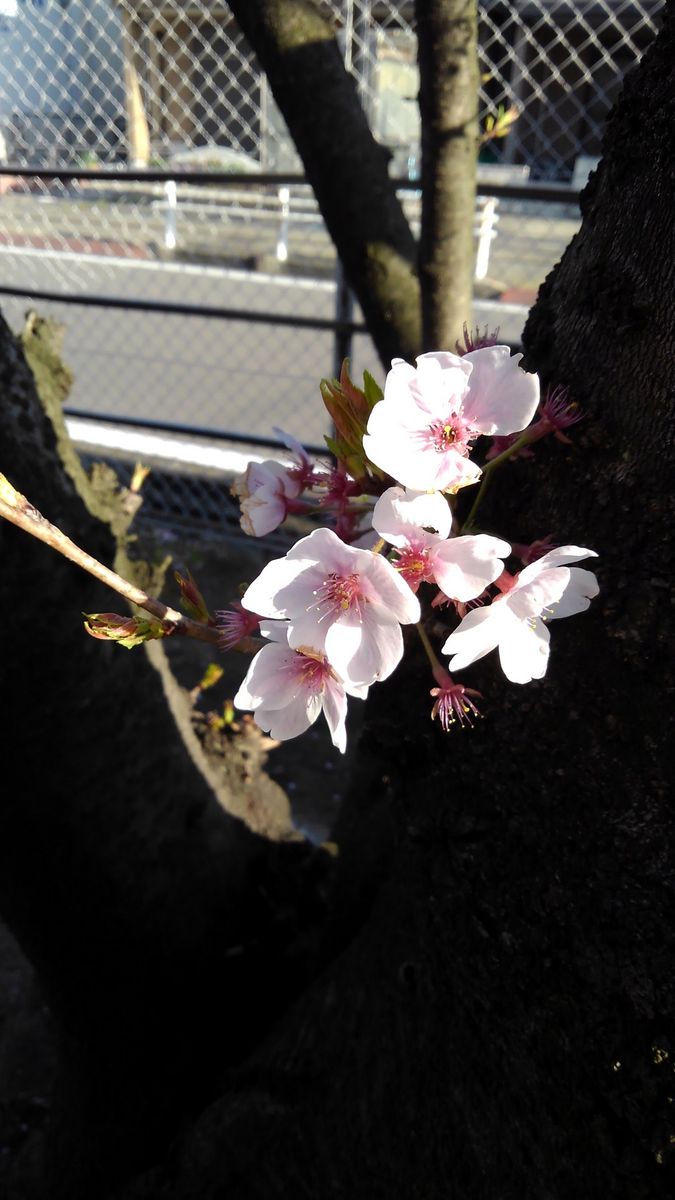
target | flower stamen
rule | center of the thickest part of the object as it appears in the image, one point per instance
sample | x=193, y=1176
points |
x=453, y=705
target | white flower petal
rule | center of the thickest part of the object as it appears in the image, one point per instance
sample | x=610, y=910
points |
x=344, y=643
x=364, y=651
x=290, y=721
x=399, y=456
x=275, y=631
x=359, y=690
x=271, y=591
x=476, y=635
x=268, y=676
x=397, y=416
x=393, y=594
x=292, y=444
x=539, y=594
x=260, y=514
x=326, y=547
x=556, y=558
x=454, y=471
x=335, y=712
x=581, y=589
x=307, y=629
x=502, y=398
x=402, y=516
x=523, y=650
x=442, y=380
x=399, y=378
x=464, y=566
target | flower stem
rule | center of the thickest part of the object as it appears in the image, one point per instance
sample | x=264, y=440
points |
x=428, y=648
x=523, y=440
x=16, y=508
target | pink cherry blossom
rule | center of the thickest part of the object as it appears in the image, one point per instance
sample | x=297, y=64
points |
x=265, y=492
x=346, y=603
x=417, y=524
x=476, y=339
x=287, y=689
x=421, y=432
x=234, y=624
x=556, y=412
x=515, y=621
x=454, y=705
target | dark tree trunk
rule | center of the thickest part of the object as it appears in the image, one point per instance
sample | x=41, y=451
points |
x=496, y=1015
x=154, y=919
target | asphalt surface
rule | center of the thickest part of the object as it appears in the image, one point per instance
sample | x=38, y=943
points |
x=228, y=375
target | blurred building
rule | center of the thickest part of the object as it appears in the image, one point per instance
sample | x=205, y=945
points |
x=149, y=80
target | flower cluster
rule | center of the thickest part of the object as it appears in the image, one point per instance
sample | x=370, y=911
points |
x=329, y=614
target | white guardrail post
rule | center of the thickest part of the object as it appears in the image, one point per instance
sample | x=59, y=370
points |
x=171, y=193
x=487, y=220
x=284, y=194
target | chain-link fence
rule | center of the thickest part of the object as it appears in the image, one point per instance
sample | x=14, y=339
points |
x=174, y=83
x=209, y=285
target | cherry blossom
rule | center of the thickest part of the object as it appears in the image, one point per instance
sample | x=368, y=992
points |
x=556, y=412
x=421, y=432
x=234, y=624
x=288, y=688
x=417, y=524
x=454, y=705
x=515, y=621
x=265, y=492
x=476, y=339
x=346, y=603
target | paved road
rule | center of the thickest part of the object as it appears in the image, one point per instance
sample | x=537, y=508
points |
x=214, y=373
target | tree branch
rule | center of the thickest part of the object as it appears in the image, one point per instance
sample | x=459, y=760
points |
x=346, y=167
x=447, y=55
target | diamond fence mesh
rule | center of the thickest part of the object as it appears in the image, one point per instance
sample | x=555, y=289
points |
x=123, y=84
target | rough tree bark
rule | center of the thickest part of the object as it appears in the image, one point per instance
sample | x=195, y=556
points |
x=448, y=63
x=490, y=1012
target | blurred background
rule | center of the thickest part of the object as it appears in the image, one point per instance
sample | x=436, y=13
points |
x=152, y=202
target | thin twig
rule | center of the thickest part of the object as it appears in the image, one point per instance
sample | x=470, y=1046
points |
x=16, y=508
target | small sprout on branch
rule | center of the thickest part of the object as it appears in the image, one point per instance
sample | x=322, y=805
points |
x=192, y=600
x=126, y=631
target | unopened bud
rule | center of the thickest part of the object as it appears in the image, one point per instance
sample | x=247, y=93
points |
x=349, y=408
x=193, y=601
x=126, y=631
